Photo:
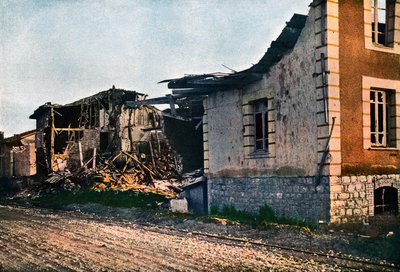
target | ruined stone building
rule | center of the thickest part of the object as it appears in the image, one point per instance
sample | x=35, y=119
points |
x=313, y=129
x=17, y=155
x=71, y=135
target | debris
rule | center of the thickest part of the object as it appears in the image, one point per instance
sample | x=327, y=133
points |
x=179, y=205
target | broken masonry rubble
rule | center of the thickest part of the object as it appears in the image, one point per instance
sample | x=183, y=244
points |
x=99, y=143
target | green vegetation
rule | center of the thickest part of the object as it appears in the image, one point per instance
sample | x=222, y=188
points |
x=379, y=247
x=264, y=217
x=124, y=199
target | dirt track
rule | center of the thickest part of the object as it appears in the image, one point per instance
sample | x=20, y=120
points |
x=33, y=239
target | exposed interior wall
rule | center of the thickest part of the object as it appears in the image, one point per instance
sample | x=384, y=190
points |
x=25, y=158
x=187, y=140
x=6, y=161
x=225, y=137
x=19, y=160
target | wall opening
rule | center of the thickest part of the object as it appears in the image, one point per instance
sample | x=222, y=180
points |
x=383, y=16
x=104, y=137
x=386, y=200
x=383, y=118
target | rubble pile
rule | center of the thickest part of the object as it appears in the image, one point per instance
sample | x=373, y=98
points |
x=154, y=167
x=127, y=171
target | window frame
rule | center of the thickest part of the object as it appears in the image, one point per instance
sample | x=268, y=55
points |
x=388, y=24
x=392, y=89
x=392, y=18
x=379, y=112
x=260, y=107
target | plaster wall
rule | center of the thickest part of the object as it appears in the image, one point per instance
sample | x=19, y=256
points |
x=25, y=161
x=292, y=86
x=357, y=61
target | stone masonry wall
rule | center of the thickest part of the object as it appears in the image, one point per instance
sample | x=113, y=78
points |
x=292, y=197
x=352, y=197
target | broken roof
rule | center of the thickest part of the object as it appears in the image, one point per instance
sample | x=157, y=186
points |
x=15, y=140
x=219, y=81
x=119, y=95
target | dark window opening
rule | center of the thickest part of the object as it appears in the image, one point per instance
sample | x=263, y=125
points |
x=66, y=139
x=386, y=200
x=383, y=17
x=67, y=116
x=260, y=108
x=104, y=140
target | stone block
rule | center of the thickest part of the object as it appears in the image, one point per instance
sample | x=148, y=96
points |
x=338, y=204
x=362, y=179
x=336, y=188
x=349, y=212
x=357, y=212
x=334, y=180
x=350, y=203
x=179, y=205
x=360, y=187
x=346, y=180
x=351, y=188
x=344, y=196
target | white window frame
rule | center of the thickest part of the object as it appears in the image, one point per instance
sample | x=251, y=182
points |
x=379, y=104
x=392, y=86
x=394, y=45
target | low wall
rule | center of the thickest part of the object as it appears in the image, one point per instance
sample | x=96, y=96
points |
x=294, y=197
x=352, y=197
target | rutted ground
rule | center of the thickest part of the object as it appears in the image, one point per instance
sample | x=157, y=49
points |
x=39, y=239
x=36, y=239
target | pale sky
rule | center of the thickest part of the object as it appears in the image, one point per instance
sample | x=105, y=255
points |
x=60, y=51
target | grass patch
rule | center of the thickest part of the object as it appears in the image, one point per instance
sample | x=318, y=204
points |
x=264, y=217
x=378, y=247
x=125, y=199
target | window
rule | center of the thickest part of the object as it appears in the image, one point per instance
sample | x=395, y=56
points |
x=258, y=109
x=386, y=200
x=382, y=118
x=104, y=141
x=261, y=125
x=383, y=17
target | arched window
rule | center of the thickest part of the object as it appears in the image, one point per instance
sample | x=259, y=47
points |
x=386, y=200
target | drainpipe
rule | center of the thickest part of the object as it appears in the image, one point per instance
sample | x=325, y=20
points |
x=324, y=156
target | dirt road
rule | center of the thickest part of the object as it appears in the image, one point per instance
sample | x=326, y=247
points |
x=33, y=239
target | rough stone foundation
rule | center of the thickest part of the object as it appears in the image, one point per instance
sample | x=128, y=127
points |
x=352, y=197
x=292, y=197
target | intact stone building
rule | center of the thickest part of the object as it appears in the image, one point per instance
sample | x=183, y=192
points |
x=313, y=129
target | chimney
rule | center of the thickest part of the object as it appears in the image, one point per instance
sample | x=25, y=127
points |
x=1, y=135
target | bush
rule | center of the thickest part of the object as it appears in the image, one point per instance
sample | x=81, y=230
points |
x=125, y=199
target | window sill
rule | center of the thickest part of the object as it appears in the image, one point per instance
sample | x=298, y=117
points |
x=260, y=155
x=377, y=148
x=382, y=48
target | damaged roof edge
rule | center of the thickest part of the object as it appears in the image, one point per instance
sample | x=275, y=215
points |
x=131, y=95
x=278, y=48
x=15, y=139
